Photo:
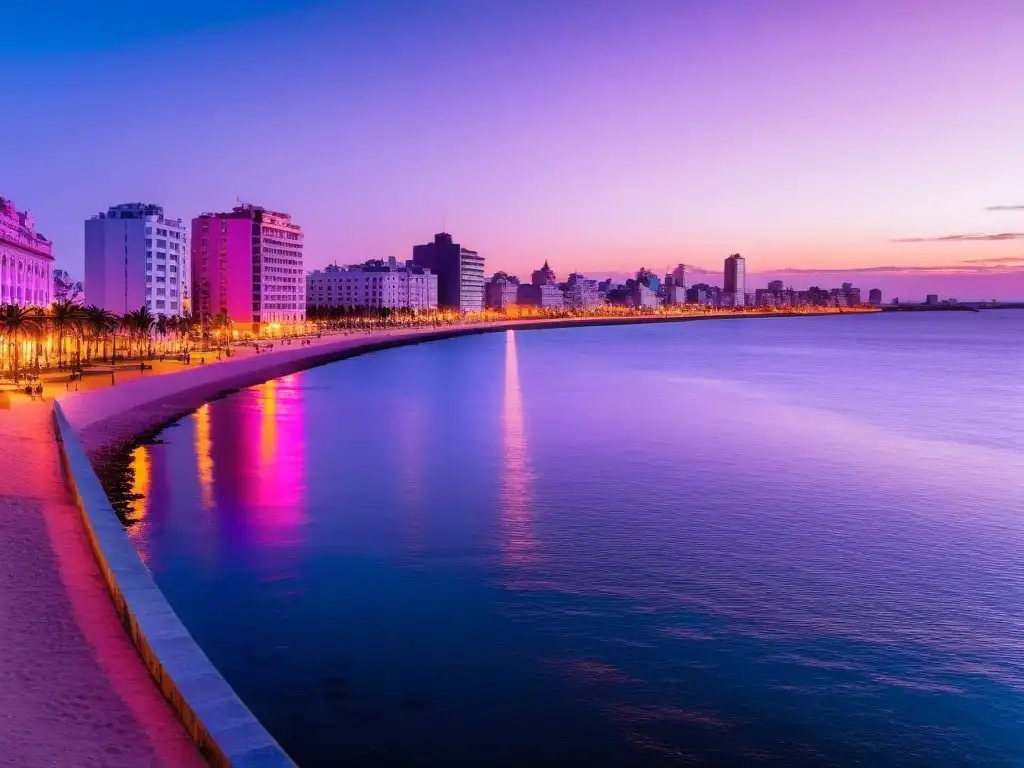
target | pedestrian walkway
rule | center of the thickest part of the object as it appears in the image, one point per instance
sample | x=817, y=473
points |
x=73, y=691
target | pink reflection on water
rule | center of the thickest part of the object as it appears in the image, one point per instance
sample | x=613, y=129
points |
x=518, y=545
x=280, y=480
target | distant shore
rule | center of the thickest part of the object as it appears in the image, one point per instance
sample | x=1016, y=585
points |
x=111, y=419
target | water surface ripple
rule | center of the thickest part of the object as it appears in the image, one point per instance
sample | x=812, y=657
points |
x=779, y=542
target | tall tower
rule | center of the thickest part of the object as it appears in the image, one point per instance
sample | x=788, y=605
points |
x=736, y=279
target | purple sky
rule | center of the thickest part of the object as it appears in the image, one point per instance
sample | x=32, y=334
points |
x=808, y=135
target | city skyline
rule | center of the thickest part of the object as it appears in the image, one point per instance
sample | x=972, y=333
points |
x=875, y=144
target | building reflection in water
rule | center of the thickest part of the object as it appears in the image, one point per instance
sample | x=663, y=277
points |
x=142, y=479
x=518, y=546
x=280, y=475
x=250, y=449
x=204, y=457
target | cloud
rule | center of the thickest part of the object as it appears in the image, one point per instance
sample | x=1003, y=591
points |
x=961, y=238
x=968, y=268
x=1005, y=208
x=996, y=260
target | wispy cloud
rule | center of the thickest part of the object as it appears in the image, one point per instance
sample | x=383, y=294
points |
x=968, y=268
x=996, y=260
x=961, y=238
x=1005, y=208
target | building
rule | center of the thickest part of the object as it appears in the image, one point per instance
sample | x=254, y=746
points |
x=875, y=297
x=581, y=292
x=544, y=276
x=373, y=285
x=703, y=294
x=460, y=272
x=675, y=293
x=680, y=276
x=643, y=297
x=26, y=259
x=546, y=296
x=775, y=286
x=248, y=265
x=931, y=299
x=66, y=289
x=135, y=256
x=736, y=279
x=501, y=291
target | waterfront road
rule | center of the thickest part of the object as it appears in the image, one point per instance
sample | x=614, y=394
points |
x=73, y=691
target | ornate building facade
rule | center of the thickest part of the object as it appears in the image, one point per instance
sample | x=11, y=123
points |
x=26, y=259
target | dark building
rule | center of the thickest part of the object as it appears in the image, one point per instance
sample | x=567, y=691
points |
x=460, y=272
x=736, y=279
x=544, y=276
x=875, y=297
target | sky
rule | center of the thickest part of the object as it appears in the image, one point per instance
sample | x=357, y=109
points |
x=824, y=141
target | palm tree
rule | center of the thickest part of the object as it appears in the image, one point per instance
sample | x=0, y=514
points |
x=102, y=323
x=65, y=316
x=186, y=323
x=16, y=320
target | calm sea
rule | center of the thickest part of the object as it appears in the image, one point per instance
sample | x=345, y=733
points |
x=781, y=542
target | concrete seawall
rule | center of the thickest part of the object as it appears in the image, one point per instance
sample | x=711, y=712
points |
x=226, y=732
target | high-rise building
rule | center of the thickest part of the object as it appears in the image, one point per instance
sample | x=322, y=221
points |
x=248, y=264
x=875, y=297
x=736, y=279
x=460, y=272
x=373, y=284
x=775, y=286
x=26, y=259
x=135, y=256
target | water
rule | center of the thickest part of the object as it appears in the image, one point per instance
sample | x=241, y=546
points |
x=780, y=542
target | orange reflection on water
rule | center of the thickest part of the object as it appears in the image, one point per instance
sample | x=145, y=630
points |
x=204, y=456
x=516, y=478
x=268, y=423
x=141, y=482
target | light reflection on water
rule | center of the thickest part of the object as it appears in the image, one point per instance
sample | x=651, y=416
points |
x=791, y=542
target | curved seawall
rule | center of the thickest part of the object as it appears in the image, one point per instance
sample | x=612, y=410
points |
x=223, y=728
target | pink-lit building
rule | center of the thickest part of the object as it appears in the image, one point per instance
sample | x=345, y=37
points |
x=248, y=264
x=26, y=259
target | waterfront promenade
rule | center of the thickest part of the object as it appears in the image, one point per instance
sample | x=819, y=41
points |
x=73, y=691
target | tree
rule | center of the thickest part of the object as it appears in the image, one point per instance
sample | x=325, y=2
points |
x=65, y=316
x=16, y=321
x=102, y=324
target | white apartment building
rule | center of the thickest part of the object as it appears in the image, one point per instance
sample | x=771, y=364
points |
x=581, y=292
x=374, y=284
x=134, y=257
